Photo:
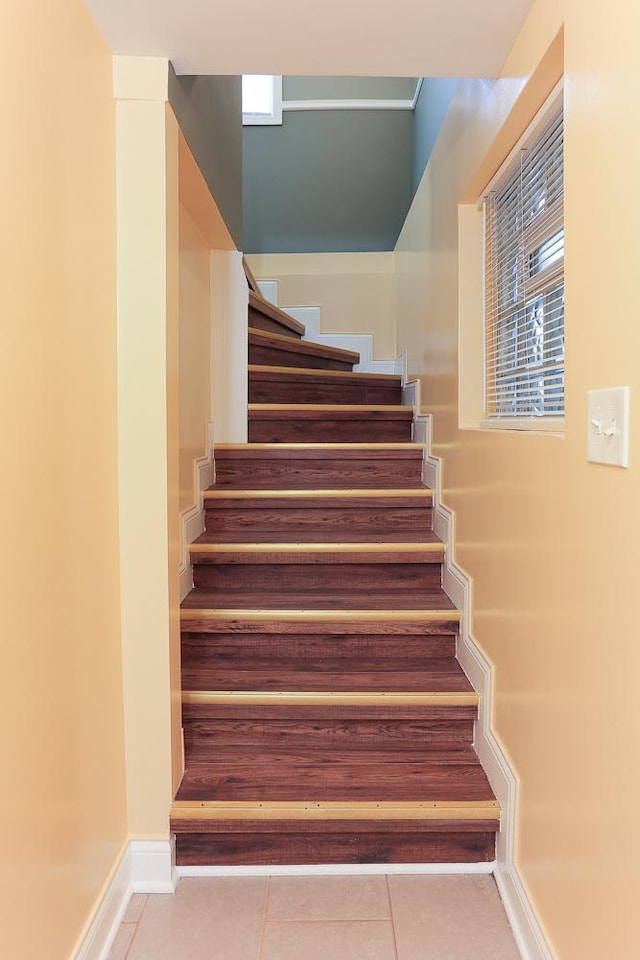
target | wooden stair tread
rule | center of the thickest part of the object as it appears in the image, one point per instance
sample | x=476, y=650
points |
x=375, y=600
x=307, y=536
x=287, y=777
x=267, y=372
x=330, y=411
x=207, y=549
x=282, y=320
x=436, y=676
x=350, y=495
x=300, y=347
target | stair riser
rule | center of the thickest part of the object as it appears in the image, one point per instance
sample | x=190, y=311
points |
x=261, y=322
x=307, y=577
x=279, y=356
x=202, y=738
x=268, y=391
x=254, y=848
x=273, y=524
x=329, y=431
x=318, y=648
x=330, y=472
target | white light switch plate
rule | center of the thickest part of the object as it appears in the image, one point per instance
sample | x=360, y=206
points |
x=608, y=426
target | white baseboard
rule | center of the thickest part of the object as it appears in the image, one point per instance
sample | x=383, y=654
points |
x=153, y=866
x=339, y=870
x=102, y=927
x=526, y=928
x=144, y=866
x=192, y=521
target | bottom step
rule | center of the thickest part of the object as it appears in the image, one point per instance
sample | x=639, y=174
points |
x=267, y=834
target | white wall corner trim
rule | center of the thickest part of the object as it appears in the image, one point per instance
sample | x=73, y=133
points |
x=192, y=521
x=153, y=866
x=524, y=923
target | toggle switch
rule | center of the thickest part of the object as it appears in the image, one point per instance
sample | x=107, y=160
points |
x=608, y=426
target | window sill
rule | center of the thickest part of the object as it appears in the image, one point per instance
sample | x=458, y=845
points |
x=546, y=425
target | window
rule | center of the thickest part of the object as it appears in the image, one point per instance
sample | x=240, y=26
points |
x=524, y=284
x=261, y=99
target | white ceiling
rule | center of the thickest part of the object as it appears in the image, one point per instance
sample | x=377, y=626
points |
x=455, y=38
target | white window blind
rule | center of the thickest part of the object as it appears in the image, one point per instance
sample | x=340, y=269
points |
x=524, y=284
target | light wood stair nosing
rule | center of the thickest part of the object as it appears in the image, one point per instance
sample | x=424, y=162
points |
x=307, y=493
x=189, y=810
x=353, y=376
x=314, y=698
x=301, y=346
x=326, y=616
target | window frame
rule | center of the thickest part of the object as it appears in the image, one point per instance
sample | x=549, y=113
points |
x=274, y=117
x=546, y=281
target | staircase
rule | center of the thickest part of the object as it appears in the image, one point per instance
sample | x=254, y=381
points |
x=326, y=718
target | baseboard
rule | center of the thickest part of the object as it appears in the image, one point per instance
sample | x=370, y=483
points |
x=153, y=866
x=340, y=870
x=101, y=928
x=192, y=521
x=143, y=866
x=526, y=928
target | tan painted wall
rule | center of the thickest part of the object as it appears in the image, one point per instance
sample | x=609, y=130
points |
x=61, y=738
x=355, y=291
x=551, y=542
x=195, y=348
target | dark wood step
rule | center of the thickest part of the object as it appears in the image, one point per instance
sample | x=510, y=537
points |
x=290, y=674
x=299, y=516
x=359, y=423
x=344, y=598
x=265, y=316
x=321, y=648
x=296, y=385
x=316, y=566
x=251, y=775
x=391, y=623
x=280, y=843
x=447, y=730
x=326, y=465
x=276, y=350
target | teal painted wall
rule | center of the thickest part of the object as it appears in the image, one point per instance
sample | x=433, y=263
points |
x=328, y=181
x=209, y=112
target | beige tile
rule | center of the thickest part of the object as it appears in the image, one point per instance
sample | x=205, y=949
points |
x=122, y=941
x=205, y=919
x=450, y=918
x=135, y=907
x=328, y=898
x=371, y=940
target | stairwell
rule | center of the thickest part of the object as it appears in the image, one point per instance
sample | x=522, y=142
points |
x=326, y=718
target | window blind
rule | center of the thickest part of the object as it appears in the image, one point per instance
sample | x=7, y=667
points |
x=524, y=282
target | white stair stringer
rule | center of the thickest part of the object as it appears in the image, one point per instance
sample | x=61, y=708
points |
x=361, y=343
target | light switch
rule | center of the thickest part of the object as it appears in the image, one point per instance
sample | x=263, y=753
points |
x=608, y=426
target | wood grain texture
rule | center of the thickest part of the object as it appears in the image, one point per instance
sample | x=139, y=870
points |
x=276, y=350
x=407, y=649
x=253, y=847
x=265, y=316
x=294, y=385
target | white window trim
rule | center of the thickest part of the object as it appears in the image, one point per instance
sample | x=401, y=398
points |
x=267, y=119
x=538, y=424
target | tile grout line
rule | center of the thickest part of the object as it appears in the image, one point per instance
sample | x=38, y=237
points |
x=135, y=925
x=391, y=918
x=265, y=914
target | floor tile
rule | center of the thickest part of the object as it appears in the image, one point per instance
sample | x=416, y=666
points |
x=328, y=898
x=135, y=907
x=371, y=940
x=450, y=918
x=122, y=941
x=205, y=919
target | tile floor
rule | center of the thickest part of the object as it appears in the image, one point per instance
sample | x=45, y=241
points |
x=319, y=918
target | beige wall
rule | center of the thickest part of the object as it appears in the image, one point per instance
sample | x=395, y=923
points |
x=195, y=348
x=550, y=541
x=61, y=740
x=355, y=291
